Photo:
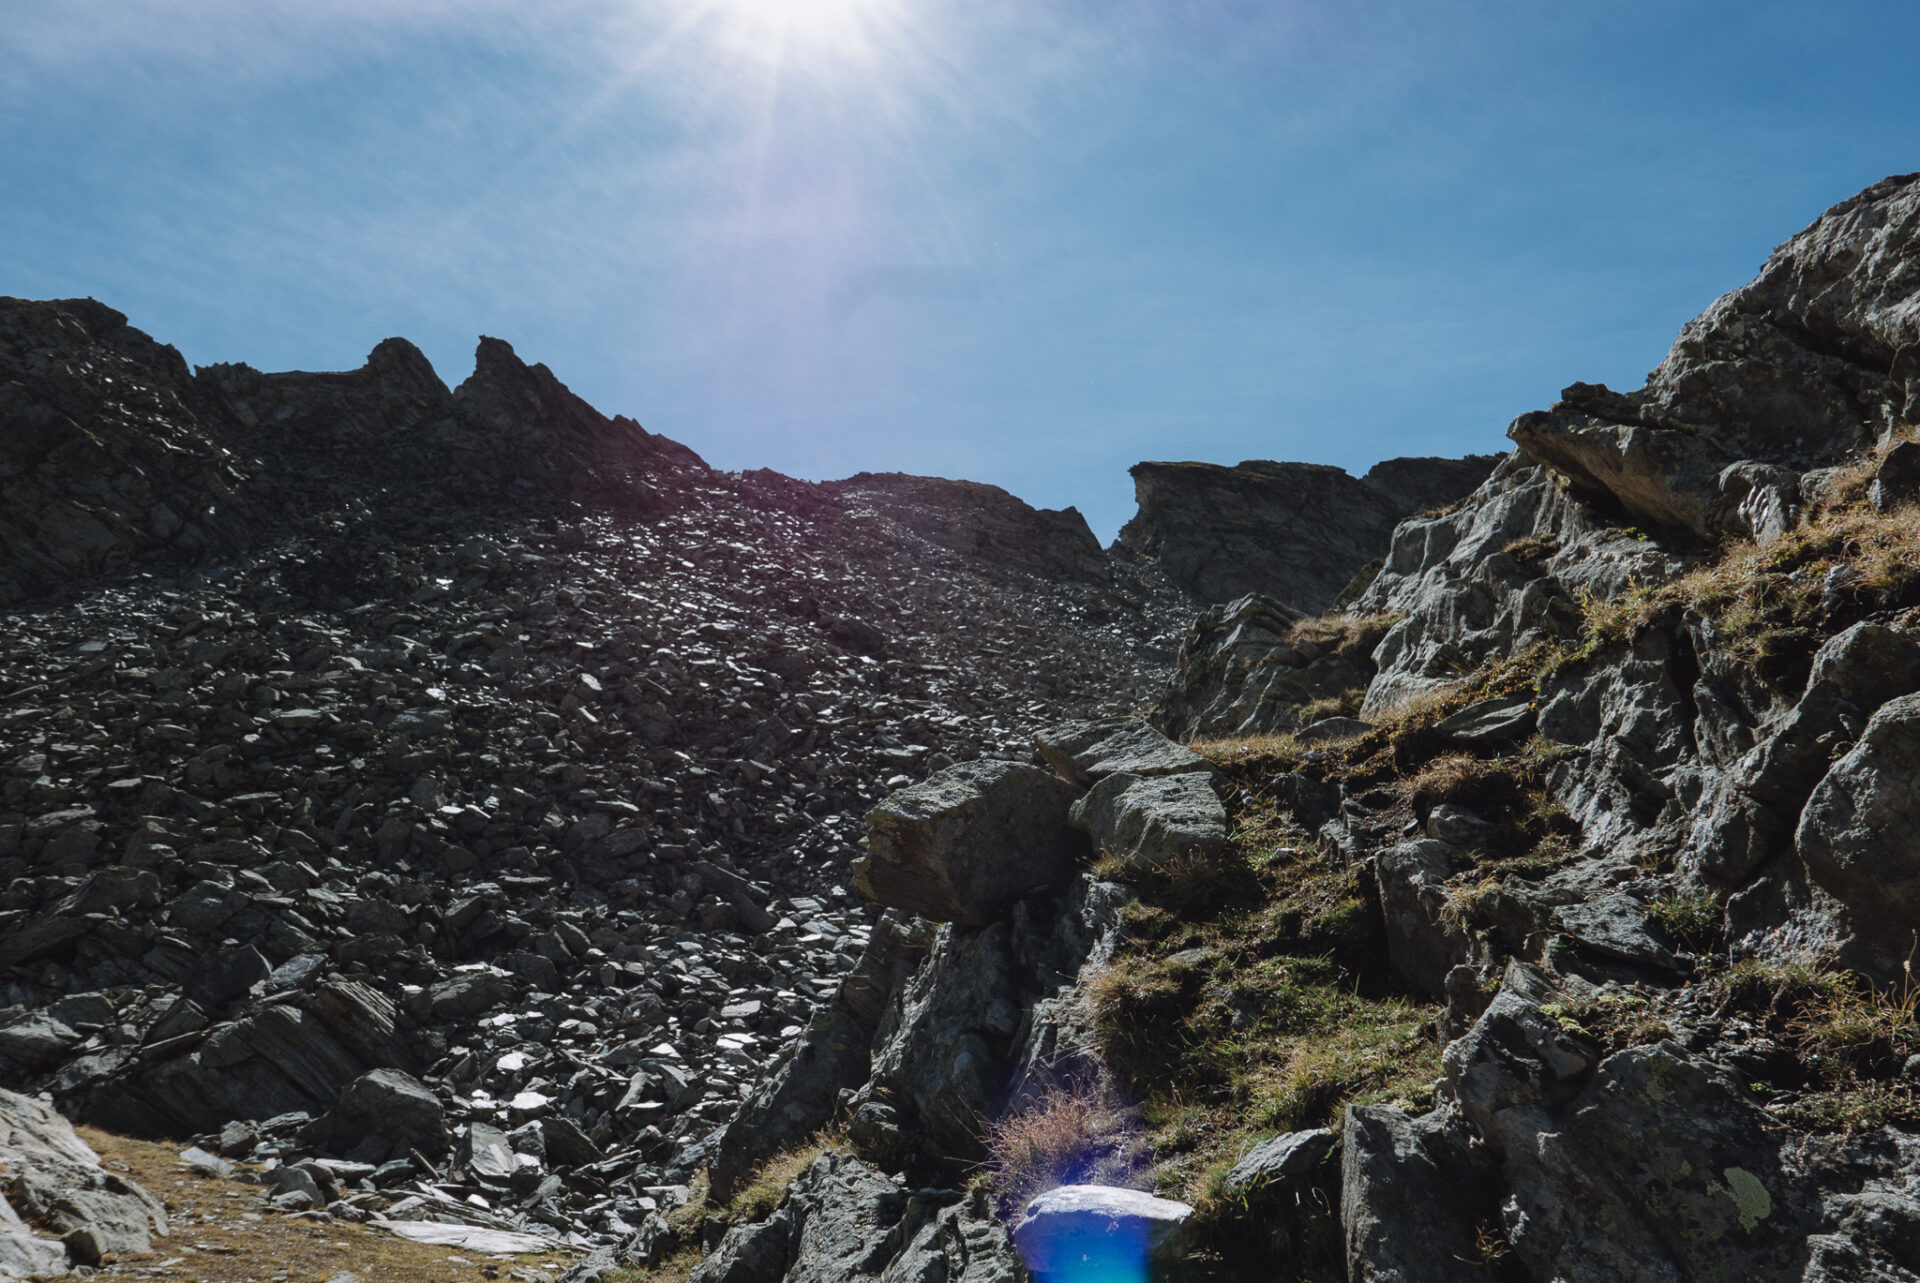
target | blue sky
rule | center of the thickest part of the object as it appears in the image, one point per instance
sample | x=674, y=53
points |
x=1021, y=242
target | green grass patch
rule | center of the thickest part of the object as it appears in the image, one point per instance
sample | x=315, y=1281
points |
x=1258, y=1007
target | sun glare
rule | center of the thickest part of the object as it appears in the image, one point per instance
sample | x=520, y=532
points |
x=777, y=27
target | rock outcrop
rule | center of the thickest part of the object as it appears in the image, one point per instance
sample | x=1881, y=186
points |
x=1703, y=808
x=51, y=1178
x=1819, y=356
x=1295, y=532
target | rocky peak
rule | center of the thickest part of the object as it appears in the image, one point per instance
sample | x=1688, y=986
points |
x=508, y=395
x=970, y=516
x=1818, y=356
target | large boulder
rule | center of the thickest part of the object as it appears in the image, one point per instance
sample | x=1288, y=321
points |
x=1144, y=823
x=1413, y=1198
x=843, y=1219
x=1810, y=361
x=384, y=1114
x=965, y=844
x=1856, y=836
x=277, y=1058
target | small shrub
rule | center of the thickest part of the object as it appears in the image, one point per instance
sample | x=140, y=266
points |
x=1694, y=918
x=1469, y=904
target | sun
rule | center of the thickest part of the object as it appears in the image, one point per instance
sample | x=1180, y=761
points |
x=781, y=27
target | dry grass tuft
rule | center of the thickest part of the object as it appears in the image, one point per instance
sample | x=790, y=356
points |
x=1345, y=633
x=1278, y=749
x=1074, y=1135
x=1850, y=1040
x=768, y=1188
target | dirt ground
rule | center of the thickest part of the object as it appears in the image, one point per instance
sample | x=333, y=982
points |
x=219, y=1234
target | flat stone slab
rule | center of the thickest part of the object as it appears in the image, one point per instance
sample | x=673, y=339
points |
x=1147, y=822
x=1079, y=1231
x=1282, y=1158
x=474, y=1238
x=1615, y=926
x=1085, y=753
x=1505, y=720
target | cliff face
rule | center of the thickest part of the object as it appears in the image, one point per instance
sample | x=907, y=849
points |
x=1295, y=532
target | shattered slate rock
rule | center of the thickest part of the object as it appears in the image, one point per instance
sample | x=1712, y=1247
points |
x=1146, y=823
x=1080, y=1230
x=965, y=844
x=1084, y=753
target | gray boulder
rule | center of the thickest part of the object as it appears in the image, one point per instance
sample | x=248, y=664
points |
x=1808, y=362
x=1413, y=1196
x=1490, y=723
x=1144, y=823
x=1084, y=753
x=1856, y=836
x=1081, y=1231
x=842, y=1219
x=1897, y=479
x=965, y=844
x=1281, y=1159
x=385, y=1110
